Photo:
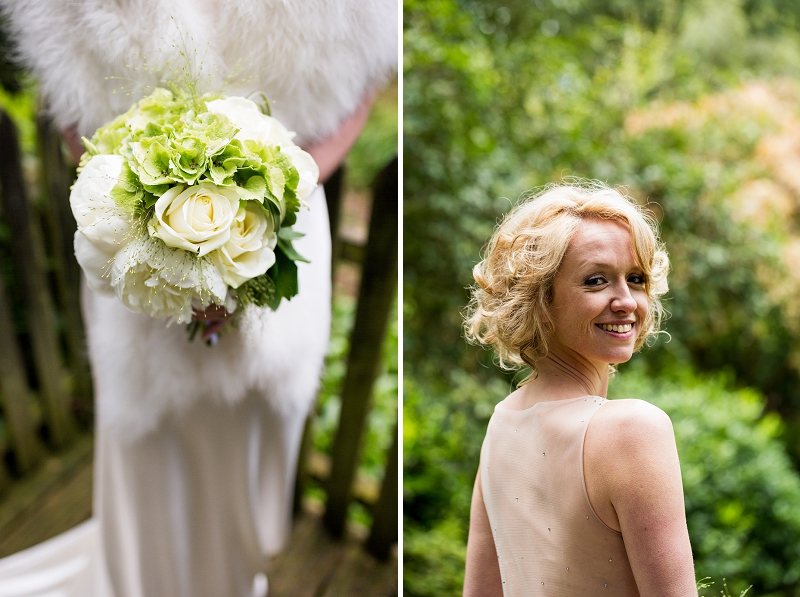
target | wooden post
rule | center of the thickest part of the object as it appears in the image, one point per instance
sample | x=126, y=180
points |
x=375, y=296
x=333, y=196
x=384, y=514
x=38, y=304
x=56, y=178
x=16, y=395
x=301, y=476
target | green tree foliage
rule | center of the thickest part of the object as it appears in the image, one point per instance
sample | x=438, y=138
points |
x=489, y=115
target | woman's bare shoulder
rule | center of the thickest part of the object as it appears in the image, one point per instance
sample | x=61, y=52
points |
x=516, y=400
x=633, y=414
x=629, y=427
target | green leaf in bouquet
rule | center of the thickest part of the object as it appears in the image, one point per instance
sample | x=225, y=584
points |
x=191, y=159
x=289, y=234
x=272, y=206
x=284, y=275
x=292, y=204
x=253, y=188
x=289, y=217
x=225, y=164
x=156, y=190
x=148, y=203
x=289, y=250
x=128, y=193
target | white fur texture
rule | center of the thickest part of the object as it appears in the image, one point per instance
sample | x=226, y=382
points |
x=314, y=59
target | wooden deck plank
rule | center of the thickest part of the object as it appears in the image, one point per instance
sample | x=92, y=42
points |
x=316, y=565
x=361, y=575
x=52, y=499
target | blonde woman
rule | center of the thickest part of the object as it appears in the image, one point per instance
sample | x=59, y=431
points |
x=576, y=495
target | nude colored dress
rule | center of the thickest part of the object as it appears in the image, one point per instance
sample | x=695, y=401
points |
x=549, y=540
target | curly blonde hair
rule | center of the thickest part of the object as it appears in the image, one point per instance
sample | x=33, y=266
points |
x=514, y=282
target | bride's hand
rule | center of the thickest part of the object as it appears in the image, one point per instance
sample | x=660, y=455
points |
x=73, y=141
x=215, y=319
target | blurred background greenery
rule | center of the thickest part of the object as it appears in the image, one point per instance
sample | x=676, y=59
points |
x=695, y=108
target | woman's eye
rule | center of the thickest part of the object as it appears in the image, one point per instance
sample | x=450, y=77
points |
x=637, y=279
x=595, y=281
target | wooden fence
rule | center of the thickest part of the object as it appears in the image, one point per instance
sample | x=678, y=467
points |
x=45, y=385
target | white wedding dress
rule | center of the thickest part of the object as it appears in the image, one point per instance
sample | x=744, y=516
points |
x=196, y=446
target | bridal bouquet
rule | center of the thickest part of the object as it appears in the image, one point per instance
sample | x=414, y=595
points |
x=184, y=202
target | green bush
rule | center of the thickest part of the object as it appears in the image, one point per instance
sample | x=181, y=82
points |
x=444, y=422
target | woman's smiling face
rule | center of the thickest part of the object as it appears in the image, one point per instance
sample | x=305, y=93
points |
x=599, y=298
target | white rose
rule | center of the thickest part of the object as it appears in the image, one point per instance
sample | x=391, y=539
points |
x=104, y=224
x=252, y=122
x=249, y=251
x=197, y=219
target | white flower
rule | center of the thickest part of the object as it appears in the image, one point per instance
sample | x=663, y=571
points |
x=104, y=224
x=95, y=264
x=197, y=219
x=254, y=124
x=249, y=250
x=159, y=281
x=307, y=169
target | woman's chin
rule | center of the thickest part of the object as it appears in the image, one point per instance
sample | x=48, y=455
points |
x=616, y=357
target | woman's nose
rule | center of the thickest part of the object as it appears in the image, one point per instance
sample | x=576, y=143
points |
x=623, y=301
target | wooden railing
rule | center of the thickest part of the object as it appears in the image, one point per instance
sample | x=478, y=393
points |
x=45, y=386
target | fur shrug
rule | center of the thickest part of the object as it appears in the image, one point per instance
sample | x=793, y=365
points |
x=314, y=59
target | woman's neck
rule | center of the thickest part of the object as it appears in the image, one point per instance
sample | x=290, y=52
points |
x=565, y=374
